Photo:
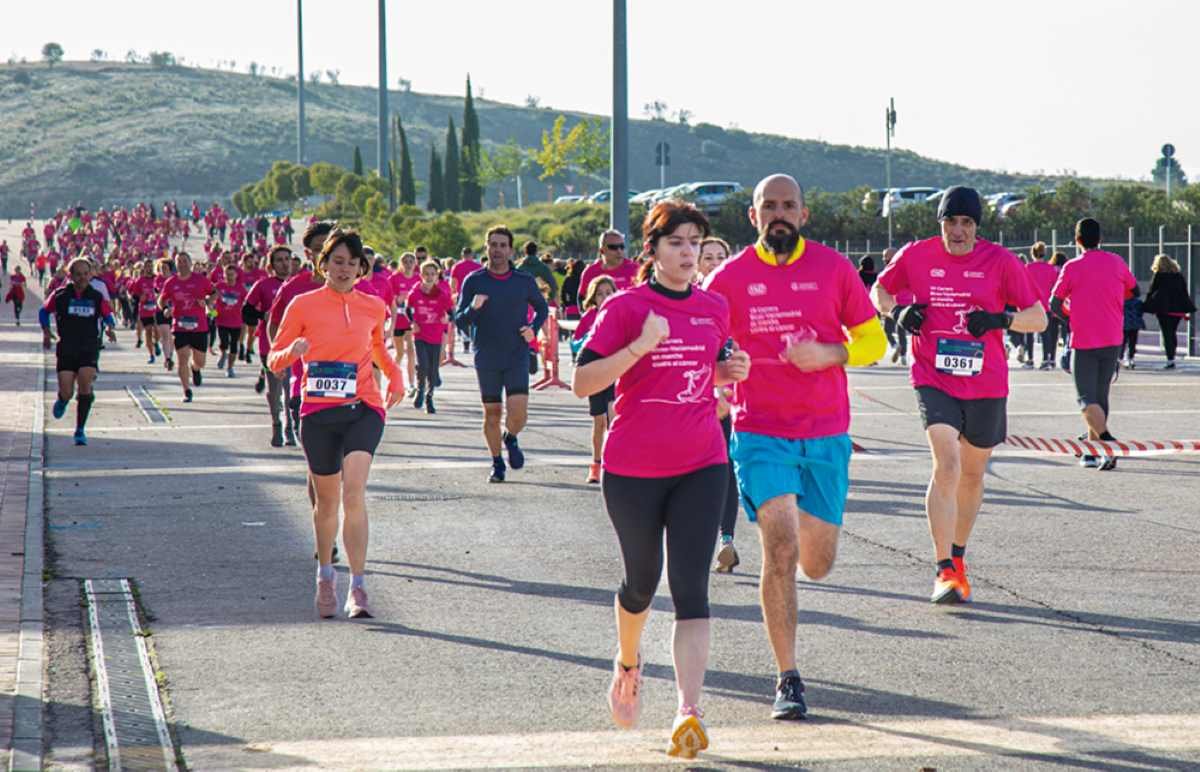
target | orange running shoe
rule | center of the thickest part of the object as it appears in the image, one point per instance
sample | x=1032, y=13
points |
x=960, y=565
x=949, y=587
x=593, y=475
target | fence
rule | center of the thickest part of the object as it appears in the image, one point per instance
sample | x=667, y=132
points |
x=1138, y=252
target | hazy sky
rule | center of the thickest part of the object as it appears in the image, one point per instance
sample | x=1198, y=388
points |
x=1096, y=87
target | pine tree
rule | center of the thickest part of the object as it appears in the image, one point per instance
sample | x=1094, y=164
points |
x=408, y=184
x=358, y=165
x=437, y=201
x=450, y=170
x=472, y=191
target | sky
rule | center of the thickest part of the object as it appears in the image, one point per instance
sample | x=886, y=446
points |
x=1093, y=87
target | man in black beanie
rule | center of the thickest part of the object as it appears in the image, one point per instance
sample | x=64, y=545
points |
x=961, y=284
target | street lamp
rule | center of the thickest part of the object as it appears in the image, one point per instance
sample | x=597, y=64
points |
x=890, y=121
x=618, y=182
x=300, y=82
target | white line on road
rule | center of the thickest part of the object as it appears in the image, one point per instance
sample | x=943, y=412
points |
x=769, y=742
x=110, y=729
x=160, y=716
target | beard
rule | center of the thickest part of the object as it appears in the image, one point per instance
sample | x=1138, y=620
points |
x=781, y=243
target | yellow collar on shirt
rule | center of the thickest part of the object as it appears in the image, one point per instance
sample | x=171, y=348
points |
x=768, y=257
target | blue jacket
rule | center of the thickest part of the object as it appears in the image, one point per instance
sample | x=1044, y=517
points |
x=1133, y=314
x=496, y=327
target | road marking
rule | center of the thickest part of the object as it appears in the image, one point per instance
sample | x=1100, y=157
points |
x=147, y=404
x=768, y=742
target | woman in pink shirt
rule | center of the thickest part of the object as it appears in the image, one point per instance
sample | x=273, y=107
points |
x=599, y=405
x=428, y=306
x=231, y=296
x=663, y=343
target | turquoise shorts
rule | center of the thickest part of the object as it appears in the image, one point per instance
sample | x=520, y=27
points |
x=816, y=471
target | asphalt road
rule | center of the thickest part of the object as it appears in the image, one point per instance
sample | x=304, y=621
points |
x=493, y=634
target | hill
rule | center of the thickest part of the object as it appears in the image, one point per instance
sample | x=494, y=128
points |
x=86, y=132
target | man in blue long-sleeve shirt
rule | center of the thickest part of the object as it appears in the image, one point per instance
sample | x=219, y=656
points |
x=495, y=303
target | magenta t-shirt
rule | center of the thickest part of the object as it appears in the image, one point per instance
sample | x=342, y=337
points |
x=1043, y=275
x=665, y=414
x=429, y=312
x=624, y=275
x=230, y=298
x=586, y=322
x=1096, y=283
x=461, y=270
x=262, y=294
x=817, y=297
x=402, y=285
x=988, y=279
x=186, y=296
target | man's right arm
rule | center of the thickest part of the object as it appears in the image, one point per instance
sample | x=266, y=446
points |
x=464, y=311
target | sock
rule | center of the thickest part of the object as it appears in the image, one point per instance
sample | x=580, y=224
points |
x=325, y=572
x=957, y=550
x=944, y=564
x=509, y=438
x=788, y=674
x=83, y=407
x=498, y=461
x=1107, y=437
x=726, y=538
x=356, y=581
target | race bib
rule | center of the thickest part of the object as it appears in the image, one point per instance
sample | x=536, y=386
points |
x=332, y=379
x=149, y=306
x=81, y=308
x=188, y=323
x=229, y=299
x=959, y=357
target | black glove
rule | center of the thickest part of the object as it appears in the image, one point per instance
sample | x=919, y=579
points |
x=980, y=322
x=910, y=317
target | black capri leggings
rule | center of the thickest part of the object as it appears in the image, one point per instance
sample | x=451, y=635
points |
x=689, y=507
x=729, y=514
x=229, y=337
x=429, y=359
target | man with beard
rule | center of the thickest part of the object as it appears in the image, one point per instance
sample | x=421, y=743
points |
x=793, y=304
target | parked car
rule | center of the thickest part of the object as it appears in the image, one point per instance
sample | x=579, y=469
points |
x=898, y=197
x=873, y=200
x=568, y=199
x=668, y=192
x=646, y=196
x=709, y=196
x=603, y=196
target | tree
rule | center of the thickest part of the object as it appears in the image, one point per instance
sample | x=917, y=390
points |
x=656, y=110
x=504, y=162
x=314, y=77
x=437, y=201
x=1159, y=173
x=405, y=85
x=451, y=193
x=161, y=59
x=324, y=176
x=408, y=183
x=683, y=116
x=444, y=234
x=132, y=56
x=347, y=185
x=533, y=103
x=358, y=162
x=472, y=191
x=52, y=53
x=98, y=55
x=584, y=148
x=332, y=76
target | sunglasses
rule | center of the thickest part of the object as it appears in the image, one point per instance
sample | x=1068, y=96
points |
x=615, y=247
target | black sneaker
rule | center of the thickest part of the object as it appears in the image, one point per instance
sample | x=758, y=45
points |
x=497, y=475
x=289, y=436
x=789, y=698
x=261, y=384
x=1089, y=462
x=429, y=408
x=516, y=457
x=1107, y=464
x=196, y=379
x=187, y=395
x=419, y=400
x=276, y=435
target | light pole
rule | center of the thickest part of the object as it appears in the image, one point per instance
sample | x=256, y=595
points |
x=890, y=120
x=383, y=94
x=618, y=167
x=300, y=82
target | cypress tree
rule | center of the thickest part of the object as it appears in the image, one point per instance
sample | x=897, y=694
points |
x=450, y=171
x=472, y=191
x=437, y=201
x=358, y=165
x=408, y=184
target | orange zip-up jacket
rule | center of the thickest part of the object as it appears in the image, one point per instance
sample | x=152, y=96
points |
x=344, y=331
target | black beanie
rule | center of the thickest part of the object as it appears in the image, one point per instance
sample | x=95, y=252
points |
x=960, y=200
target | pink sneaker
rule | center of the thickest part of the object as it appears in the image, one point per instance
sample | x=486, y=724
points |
x=625, y=694
x=327, y=598
x=356, y=604
x=688, y=735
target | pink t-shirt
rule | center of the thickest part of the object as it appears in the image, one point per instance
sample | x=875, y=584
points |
x=186, y=296
x=401, y=285
x=1096, y=283
x=816, y=297
x=461, y=270
x=671, y=386
x=1043, y=275
x=429, y=312
x=988, y=279
x=293, y=287
x=230, y=298
x=145, y=289
x=586, y=322
x=624, y=275
x=217, y=275
x=261, y=295
x=250, y=278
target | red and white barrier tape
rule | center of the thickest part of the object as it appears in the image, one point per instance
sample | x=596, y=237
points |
x=1103, y=447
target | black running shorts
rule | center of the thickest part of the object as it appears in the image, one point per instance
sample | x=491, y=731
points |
x=329, y=435
x=981, y=422
x=193, y=340
x=69, y=359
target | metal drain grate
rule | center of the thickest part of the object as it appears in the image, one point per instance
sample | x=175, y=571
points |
x=418, y=497
x=141, y=397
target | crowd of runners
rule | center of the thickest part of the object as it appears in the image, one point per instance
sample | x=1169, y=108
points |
x=743, y=355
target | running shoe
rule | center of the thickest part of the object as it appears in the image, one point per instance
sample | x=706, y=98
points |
x=221, y=361
x=960, y=565
x=1169, y=366
x=289, y=436
x=789, y=698
x=169, y=364
x=727, y=558
x=187, y=395
x=1028, y=365
x=196, y=379
x=1132, y=365
x=356, y=604
x=80, y=437
x=419, y=400
x=625, y=694
x=516, y=457
x=151, y=360
x=157, y=350
x=593, y=475
x=276, y=435
x=138, y=344
x=229, y=372
x=949, y=587
x=903, y=360
x=688, y=735
x=1089, y=462
x=497, y=475
x=1106, y=464
x=895, y=355
x=60, y=407
x=1047, y=366
x=261, y=384
x=327, y=597
x=429, y=408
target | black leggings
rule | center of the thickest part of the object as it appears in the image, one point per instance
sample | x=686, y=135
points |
x=1129, y=345
x=1168, y=325
x=688, y=506
x=729, y=515
x=896, y=335
x=429, y=359
x=1050, y=339
x=229, y=338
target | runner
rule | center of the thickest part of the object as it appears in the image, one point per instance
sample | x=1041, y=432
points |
x=663, y=344
x=791, y=304
x=79, y=312
x=402, y=282
x=300, y=282
x=16, y=292
x=600, y=404
x=251, y=274
x=337, y=333
x=466, y=265
x=4, y=257
x=1043, y=275
x=495, y=303
x=1095, y=284
x=145, y=297
x=429, y=306
x=961, y=284
x=230, y=297
x=611, y=263
x=258, y=302
x=164, y=268
x=187, y=293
